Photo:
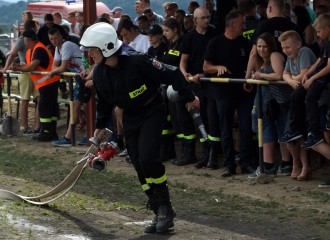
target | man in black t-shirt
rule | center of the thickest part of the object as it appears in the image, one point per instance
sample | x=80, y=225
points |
x=191, y=65
x=227, y=56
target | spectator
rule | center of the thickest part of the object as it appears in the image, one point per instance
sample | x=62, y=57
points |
x=117, y=12
x=27, y=15
x=192, y=6
x=209, y=5
x=27, y=88
x=132, y=37
x=109, y=19
x=248, y=7
x=68, y=57
x=191, y=65
x=261, y=7
x=227, y=56
x=305, y=4
x=171, y=9
x=43, y=32
x=153, y=17
x=59, y=20
x=165, y=6
x=301, y=17
x=275, y=105
x=313, y=84
x=139, y=11
x=299, y=60
x=143, y=24
x=38, y=58
x=179, y=16
x=320, y=9
x=79, y=21
x=188, y=23
x=73, y=22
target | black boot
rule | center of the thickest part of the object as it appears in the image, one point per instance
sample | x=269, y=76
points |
x=153, y=204
x=189, y=155
x=166, y=212
x=167, y=149
x=174, y=160
x=46, y=133
x=205, y=155
x=213, y=157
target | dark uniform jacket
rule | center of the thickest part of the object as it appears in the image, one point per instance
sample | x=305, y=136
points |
x=133, y=83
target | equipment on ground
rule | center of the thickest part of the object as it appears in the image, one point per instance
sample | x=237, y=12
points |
x=9, y=126
x=71, y=179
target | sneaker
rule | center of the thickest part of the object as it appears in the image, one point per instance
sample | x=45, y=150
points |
x=36, y=130
x=62, y=142
x=312, y=141
x=285, y=171
x=290, y=137
x=325, y=184
x=82, y=141
x=123, y=153
x=27, y=132
x=271, y=172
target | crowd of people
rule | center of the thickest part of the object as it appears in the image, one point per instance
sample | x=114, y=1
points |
x=259, y=39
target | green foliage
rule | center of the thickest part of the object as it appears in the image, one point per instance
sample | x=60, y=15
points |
x=11, y=13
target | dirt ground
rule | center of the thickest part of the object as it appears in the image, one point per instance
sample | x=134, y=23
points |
x=302, y=210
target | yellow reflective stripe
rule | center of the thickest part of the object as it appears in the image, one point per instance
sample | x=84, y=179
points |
x=202, y=140
x=168, y=131
x=54, y=118
x=214, y=139
x=149, y=180
x=174, y=52
x=138, y=91
x=180, y=135
x=45, y=120
x=168, y=118
x=193, y=136
x=248, y=34
x=159, y=180
x=62, y=80
x=145, y=187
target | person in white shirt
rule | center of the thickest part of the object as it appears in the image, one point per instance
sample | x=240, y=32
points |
x=132, y=37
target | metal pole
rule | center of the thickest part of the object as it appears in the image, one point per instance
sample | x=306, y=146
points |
x=72, y=124
x=260, y=130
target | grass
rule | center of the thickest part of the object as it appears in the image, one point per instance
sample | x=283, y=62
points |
x=108, y=191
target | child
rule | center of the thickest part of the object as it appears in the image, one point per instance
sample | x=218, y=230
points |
x=313, y=84
x=299, y=61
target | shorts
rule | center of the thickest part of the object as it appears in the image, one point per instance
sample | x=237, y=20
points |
x=26, y=86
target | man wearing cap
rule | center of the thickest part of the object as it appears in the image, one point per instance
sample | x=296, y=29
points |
x=117, y=12
x=158, y=46
x=38, y=58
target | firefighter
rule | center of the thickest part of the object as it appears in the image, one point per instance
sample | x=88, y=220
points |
x=131, y=81
x=38, y=58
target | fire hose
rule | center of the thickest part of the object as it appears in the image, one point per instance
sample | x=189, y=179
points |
x=96, y=157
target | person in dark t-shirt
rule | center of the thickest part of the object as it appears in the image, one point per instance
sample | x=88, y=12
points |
x=227, y=56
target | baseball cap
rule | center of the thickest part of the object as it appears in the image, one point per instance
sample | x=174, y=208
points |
x=30, y=34
x=117, y=10
x=155, y=29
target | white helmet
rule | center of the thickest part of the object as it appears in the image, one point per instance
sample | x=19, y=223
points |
x=103, y=36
